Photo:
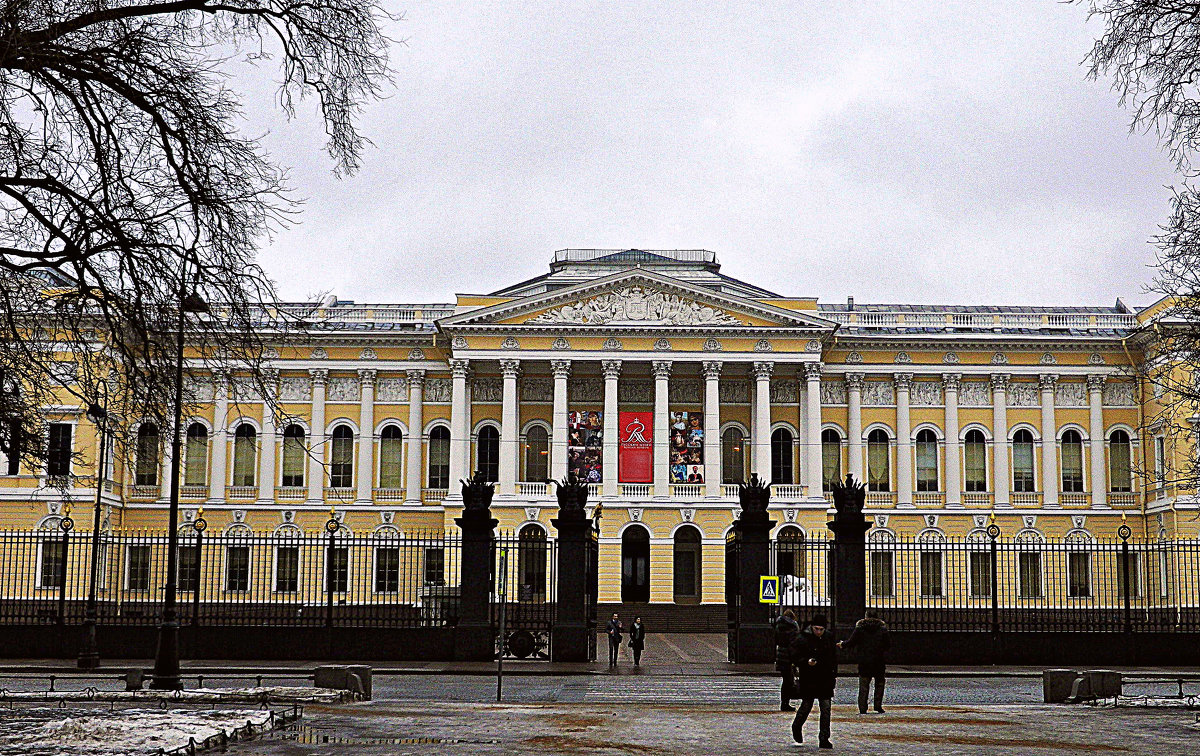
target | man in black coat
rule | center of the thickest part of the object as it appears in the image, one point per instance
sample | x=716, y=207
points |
x=614, y=638
x=815, y=656
x=786, y=630
x=870, y=637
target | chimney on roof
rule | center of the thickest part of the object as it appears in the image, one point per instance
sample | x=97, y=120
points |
x=849, y=303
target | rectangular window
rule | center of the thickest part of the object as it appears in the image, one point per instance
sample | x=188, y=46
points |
x=58, y=460
x=13, y=460
x=287, y=569
x=1160, y=461
x=1023, y=467
x=387, y=569
x=975, y=462
x=53, y=555
x=1121, y=467
x=882, y=583
x=338, y=569
x=980, y=565
x=878, y=467
x=1072, y=467
x=195, y=463
x=439, y=461
x=188, y=579
x=137, y=571
x=831, y=463
x=1029, y=574
x=435, y=567
x=1135, y=582
x=927, y=466
x=1079, y=574
x=931, y=574
x=237, y=568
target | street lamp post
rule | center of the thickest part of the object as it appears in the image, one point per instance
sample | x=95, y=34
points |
x=166, y=657
x=89, y=653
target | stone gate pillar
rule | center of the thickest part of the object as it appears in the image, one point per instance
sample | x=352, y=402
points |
x=849, y=580
x=756, y=639
x=474, y=639
x=569, y=635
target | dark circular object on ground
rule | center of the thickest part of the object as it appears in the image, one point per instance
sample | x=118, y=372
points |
x=520, y=644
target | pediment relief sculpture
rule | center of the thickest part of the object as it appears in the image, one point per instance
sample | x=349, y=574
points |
x=637, y=305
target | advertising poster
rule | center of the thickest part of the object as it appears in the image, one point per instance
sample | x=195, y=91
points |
x=585, y=445
x=687, y=447
x=635, y=446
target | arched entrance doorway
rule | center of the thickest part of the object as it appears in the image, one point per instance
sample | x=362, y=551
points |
x=635, y=564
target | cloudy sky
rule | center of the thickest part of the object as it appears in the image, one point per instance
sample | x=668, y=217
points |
x=925, y=152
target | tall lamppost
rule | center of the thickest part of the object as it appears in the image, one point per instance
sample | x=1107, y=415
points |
x=89, y=653
x=166, y=657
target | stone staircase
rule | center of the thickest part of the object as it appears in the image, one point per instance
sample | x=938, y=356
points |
x=668, y=618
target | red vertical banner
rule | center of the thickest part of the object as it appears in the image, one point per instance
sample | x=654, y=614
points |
x=635, y=446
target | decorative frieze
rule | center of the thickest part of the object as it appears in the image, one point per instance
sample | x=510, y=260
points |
x=437, y=389
x=814, y=346
x=486, y=390
x=635, y=392
x=785, y=392
x=459, y=342
x=343, y=389
x=1023, y=394
x=537, y=389
x=833, y=392
x=585, y=390
x=926, y=394
x=560, y=343
x=1095, y=359
x=199, y=388
x=416, y=353
x=394, y=390
x=244, y=389
x=903, y=358
x=318, y=353
x=974, y=394
x=636, y=304
x=1070, y=394
x=295, y=388
x=1119, y=395
x=951, y=358
x=734, y=392
x=763, y=346
x=878, y=394
x=684, y=392
x=612, y=344
x=510, y=342
x=999, y=358
x=662, y=345
x=367, y=354
x=854, y=358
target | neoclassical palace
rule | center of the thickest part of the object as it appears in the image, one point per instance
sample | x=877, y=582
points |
x=662, y=382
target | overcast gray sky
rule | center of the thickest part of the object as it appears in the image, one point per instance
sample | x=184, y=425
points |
x=924, y=152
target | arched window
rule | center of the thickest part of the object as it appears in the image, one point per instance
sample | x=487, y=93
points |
x=341, y=458
x=1022, y=452
x=927, y=461
x=487, y=453
x=146, y=469
x=195, y=458
x=789, y=552
x=733, y=456
x=975, y=460
x=391, y=457
x=293, y=456
x=537, y=454
x=635, y=564
x=439, y=457
x=245, y=452
x=687, y=565
x=1120, y=477
x=531, y=563
x=1072, y=461
x=781, y=456
x=879, y=472
x=831, y=458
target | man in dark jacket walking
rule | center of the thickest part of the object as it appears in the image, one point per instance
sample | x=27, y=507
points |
x=870, y=637
x=786, y=630
x=815, y=656
x=614, y=638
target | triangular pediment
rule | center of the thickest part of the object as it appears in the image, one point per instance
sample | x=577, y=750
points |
x=637, y=298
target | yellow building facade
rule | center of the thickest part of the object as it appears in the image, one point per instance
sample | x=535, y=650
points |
x=663, y=382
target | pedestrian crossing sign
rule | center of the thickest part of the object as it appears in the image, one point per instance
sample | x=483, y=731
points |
x=768, y=589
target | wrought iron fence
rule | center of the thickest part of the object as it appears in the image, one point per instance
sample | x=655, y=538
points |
x=805, y=571
x=385, y=579
x=527, y=595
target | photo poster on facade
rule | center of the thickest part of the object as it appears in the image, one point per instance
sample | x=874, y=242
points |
x=635, y=447
x=687, y=447
x=585, y=445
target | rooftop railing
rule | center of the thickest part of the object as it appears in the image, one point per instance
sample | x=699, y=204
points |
x=951, y=321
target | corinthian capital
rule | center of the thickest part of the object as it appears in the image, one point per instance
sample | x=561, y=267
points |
x=367, y=376
x=416, y=378
x=763, y=370
x=951, y=381
x=560, y=368
x=661, y=368
x=1000, y=381
x=854, y=381
x=319, y=376
x=711, y=369
x=460, y=368
x=611, y=369
x=903, y=381
x=1096, y=382
x=510, y=368
x=812, y=371
x=1047, y=381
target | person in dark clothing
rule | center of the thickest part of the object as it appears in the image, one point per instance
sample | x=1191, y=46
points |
x=786, y=630
x=814, y=654
x=637, y=640
x=870, y=637
x=614, y=638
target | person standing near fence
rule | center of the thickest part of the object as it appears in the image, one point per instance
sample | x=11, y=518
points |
x=871, y=638
x=786, y=630
x=815, y=656
x=637, y=640
x=614, y=638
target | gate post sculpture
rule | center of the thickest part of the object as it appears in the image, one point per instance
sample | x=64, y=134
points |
x=849, y=555
x=569, y=641
x=474, y=639
x=752, y=531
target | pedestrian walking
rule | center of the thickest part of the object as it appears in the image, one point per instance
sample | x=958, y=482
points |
x=786, y=630
x=814, y=654
x=871, y=639
x=637, y=640
x=614, y=638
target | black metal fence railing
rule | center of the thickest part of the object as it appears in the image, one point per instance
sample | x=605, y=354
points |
x=1014, y=585
x=528, y=595
x=805, y=571
x=385, y=579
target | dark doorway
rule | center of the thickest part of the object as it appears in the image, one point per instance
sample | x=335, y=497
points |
x=635, y=564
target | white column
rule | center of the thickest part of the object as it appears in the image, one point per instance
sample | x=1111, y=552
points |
x=510, y=427
x=854, y=385
x=460, y=428
x=611, y=473
x=1000, y=476
x=316, y=466
x=1095, y=385
x=761, y=430
x=266, y=454
x=366, y=437
x=950, y=383
x=558, y=442
x=802, y=430
x=712, y=428
x=414, y=476
x=220, y=438
x=661, y=370
x=1050, y=481
x=812, y=423
x=904, y=455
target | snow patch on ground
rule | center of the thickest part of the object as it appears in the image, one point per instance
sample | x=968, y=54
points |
x=268, y=694
x=35, y=732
